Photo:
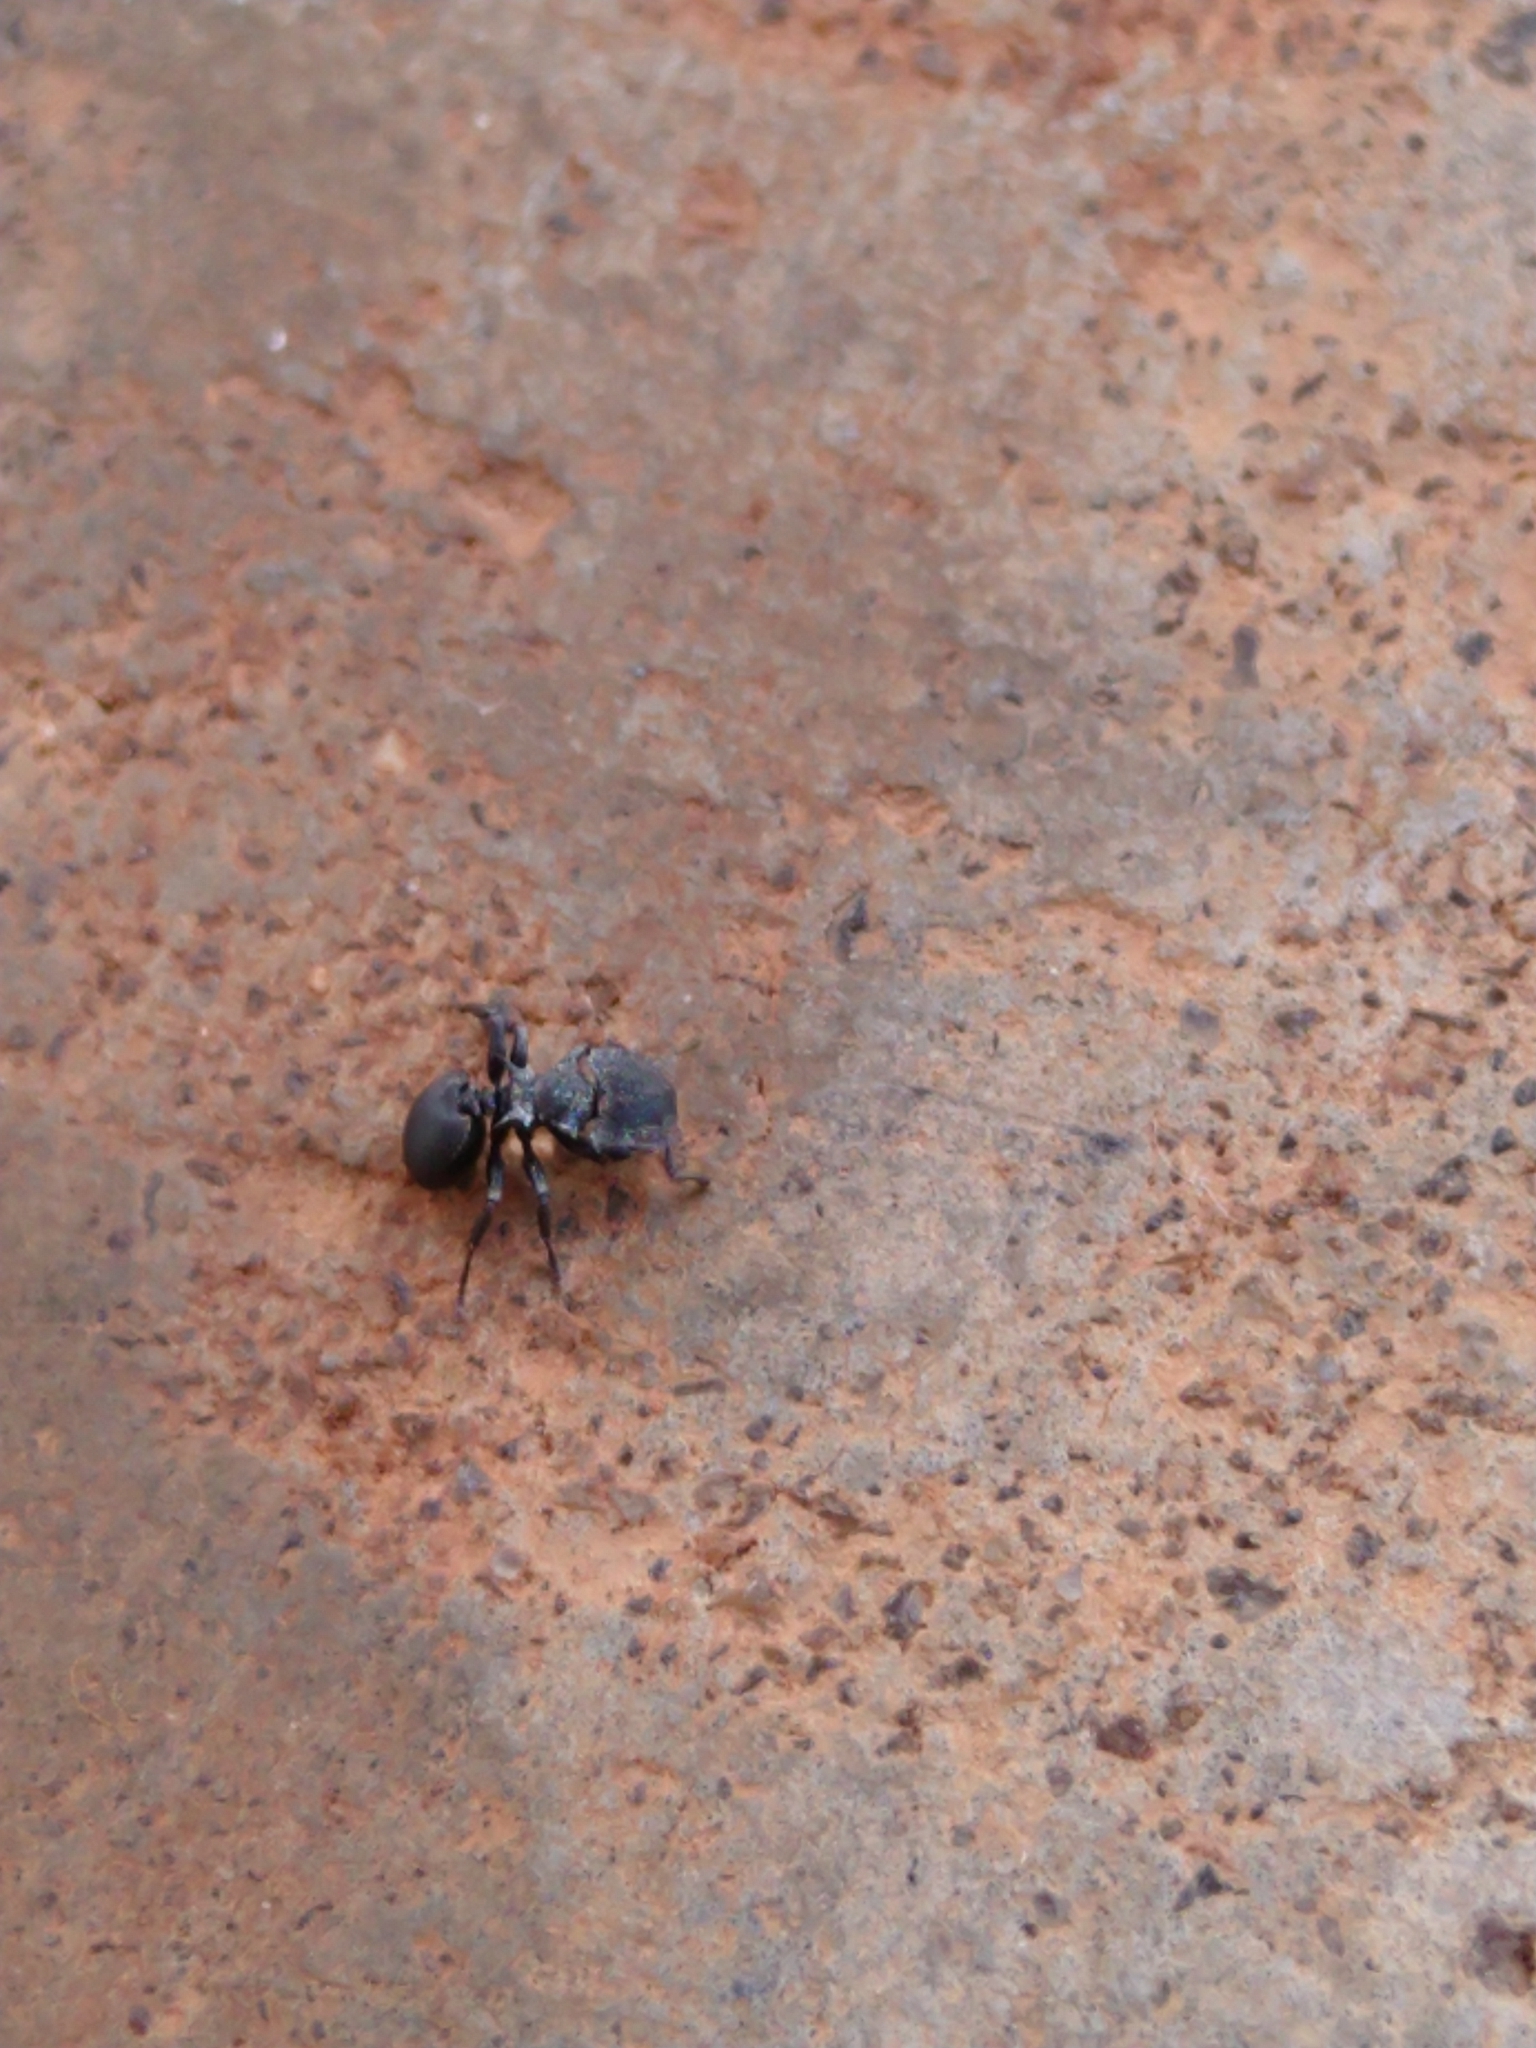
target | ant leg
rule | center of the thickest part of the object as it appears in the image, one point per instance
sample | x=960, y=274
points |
x=495, y=1181
x=494, y=1019
x=519, y=1051
x=539, y=1182
x=677, y=1172
x=500, y=1018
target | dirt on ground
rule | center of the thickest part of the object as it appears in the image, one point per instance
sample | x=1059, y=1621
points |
x=960, y=576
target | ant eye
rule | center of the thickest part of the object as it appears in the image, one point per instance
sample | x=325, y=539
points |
x=444, y=1132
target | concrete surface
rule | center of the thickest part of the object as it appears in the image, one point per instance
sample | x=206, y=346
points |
x=963, y=576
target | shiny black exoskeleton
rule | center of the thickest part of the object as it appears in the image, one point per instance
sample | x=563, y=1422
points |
x=601, y=1102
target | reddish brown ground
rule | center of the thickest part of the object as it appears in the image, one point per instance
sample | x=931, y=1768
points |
x=961, y=576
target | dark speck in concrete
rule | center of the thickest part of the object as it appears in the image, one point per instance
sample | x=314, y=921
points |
x=1505, y=52
x=1299, y=1022
x=1126, y=1736
x=469, y=1482
x=1474, y=648
x=1205, y=1884
x=1450, y=1183
x=1362, y=1546
x=1242, y=1593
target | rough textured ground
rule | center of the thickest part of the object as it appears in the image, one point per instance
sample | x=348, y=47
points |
x=963, y=576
